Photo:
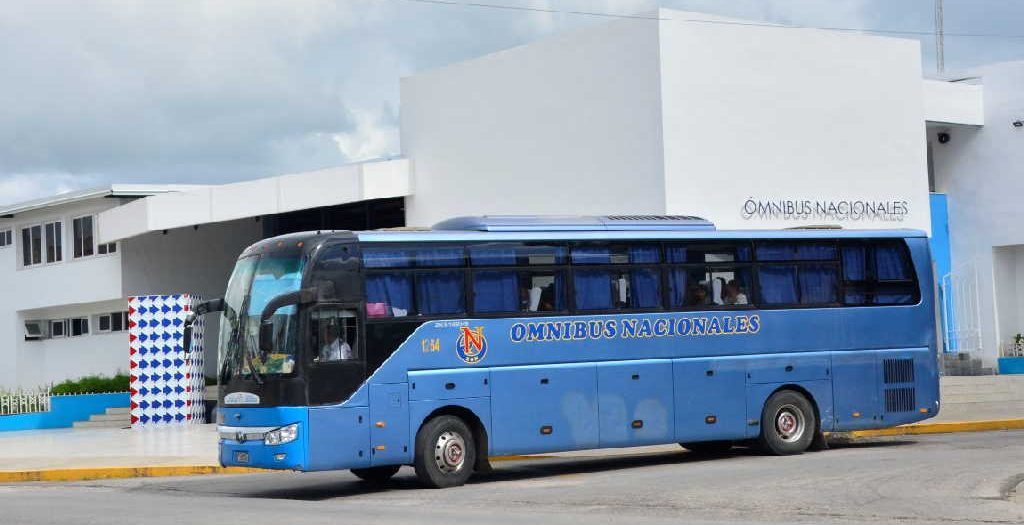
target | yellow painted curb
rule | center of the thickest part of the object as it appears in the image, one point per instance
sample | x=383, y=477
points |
x=942, y=428
x=83, y=474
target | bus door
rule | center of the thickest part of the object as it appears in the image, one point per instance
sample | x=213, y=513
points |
x=336, y=364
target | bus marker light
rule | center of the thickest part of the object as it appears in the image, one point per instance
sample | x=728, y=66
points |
x=379, y=447
x=639, y=423
x=711, y=420
x=380, y=424
x=280, y=457
x=923, y=410
x=856, y=414
x=546, y=430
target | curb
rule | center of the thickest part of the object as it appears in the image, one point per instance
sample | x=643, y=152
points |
x=94, y=473
x=85, y=474
x=938, y=428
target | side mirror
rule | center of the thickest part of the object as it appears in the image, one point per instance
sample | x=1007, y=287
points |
x=207, y=307
x=186, y=340
x=266, y=337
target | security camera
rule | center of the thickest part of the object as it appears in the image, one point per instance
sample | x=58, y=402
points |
x=943, y=137
x=1018, y=124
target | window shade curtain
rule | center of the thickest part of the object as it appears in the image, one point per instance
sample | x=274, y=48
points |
x=818, y=284
x=890, y=264
x=440, y=293
x=593, y=289
x=778, y=284
x=390, y=290
x=496, y=291
x=644, y=284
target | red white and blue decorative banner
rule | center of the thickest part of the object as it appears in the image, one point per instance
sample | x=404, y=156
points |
x=166, y=380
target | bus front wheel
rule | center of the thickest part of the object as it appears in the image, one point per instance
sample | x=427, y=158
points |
x=445, y=452
x=376, y=474
x=788, y=424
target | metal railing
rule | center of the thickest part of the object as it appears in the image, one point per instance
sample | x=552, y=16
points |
x=962, y=310
x=1012, y=349
x=13, y=403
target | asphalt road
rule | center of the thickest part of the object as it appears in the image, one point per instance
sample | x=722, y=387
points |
x=952, y=478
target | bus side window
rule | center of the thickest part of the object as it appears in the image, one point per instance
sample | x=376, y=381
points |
x=616, y=287
x=440, y=292
x=336, y=335
x=507, y=291
x=389, y=294
x=705, y=275
x=878, y=273
x=805, y=273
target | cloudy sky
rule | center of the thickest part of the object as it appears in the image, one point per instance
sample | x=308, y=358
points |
x=100, y=91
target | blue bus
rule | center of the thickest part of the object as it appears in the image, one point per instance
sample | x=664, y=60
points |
x=502, y=335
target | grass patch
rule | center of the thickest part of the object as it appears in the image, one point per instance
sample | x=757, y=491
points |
x=96, y=384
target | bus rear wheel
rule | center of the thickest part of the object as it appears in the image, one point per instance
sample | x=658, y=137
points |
x=376, y=474
x=445, y=452
x=788, y=424
x=708, y=448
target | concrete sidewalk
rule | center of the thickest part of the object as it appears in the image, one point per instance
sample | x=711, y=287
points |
x=102, y=447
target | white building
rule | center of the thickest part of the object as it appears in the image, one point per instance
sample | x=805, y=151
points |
x=981, y=170
x=750, y=127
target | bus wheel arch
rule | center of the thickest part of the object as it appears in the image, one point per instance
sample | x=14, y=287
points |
x=790, y=421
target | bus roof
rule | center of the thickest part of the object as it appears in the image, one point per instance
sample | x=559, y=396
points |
x=648, y=234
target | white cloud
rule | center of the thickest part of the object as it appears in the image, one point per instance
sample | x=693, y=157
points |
x=24, y=187
x=375, y=136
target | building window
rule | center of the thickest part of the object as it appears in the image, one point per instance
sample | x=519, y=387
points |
x=54, y=242
x=84, y=239
x=110, y=247
x=59, y=328
x=33, y=330
x=79, y=326
x=112, y=322
x=6, y=238
x=42, y=243
x=32, y=245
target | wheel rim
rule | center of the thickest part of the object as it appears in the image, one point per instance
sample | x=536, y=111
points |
x=790, y=423
x=450, y=452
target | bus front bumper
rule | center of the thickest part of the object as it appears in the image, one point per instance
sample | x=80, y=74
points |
x=271, y=438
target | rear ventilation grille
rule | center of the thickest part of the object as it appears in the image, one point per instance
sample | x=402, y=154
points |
x=653, y=218
x=898, y=371
x=900, y=399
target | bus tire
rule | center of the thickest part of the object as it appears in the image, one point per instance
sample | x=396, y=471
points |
x=708, y=448
x=788, y=424
x=445, y=452
x=376, y=475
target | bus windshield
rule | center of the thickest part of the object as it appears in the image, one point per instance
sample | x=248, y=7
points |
x=255, y=281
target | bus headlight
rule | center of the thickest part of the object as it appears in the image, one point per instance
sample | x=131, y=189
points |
x=280, y=436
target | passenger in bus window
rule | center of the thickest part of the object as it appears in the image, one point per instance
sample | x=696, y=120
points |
x=547, y=299
x=734, y=294
x=698, y=295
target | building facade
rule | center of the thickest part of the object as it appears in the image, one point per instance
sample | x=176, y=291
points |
x=749, y=127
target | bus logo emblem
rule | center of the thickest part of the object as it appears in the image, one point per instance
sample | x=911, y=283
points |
x=471, y=345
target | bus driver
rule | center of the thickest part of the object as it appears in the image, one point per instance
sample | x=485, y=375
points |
x=336, y=349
